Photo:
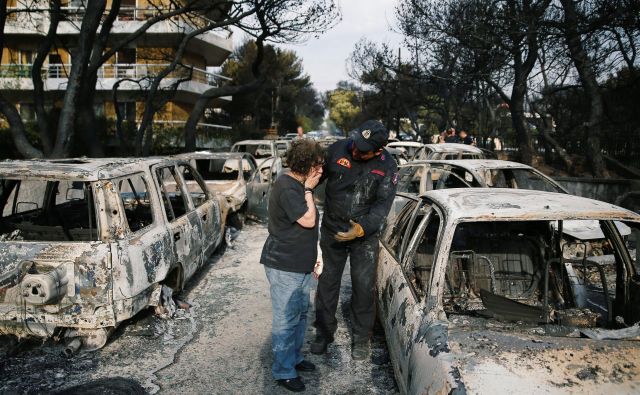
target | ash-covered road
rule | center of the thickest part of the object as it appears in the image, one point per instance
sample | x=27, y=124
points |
x=222, y=345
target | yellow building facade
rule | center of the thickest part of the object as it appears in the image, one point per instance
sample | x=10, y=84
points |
x=130, y=68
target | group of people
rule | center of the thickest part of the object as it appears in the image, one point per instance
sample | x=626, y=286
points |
x=451, y=136
x=361, y=180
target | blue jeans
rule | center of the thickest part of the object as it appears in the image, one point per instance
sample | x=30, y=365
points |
x=289, y=303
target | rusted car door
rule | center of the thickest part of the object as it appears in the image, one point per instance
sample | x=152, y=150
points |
x=145, y=252
x=206, y=208
x=395, y=296
x=404, y=273
x=258, y=192
x=183, y=222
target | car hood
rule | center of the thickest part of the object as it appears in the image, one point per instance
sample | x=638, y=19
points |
x=502, y=362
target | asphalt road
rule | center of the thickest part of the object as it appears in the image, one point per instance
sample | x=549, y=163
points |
x=222, y=345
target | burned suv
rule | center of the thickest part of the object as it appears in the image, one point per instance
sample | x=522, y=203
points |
x=486, y=291
x=88, y=243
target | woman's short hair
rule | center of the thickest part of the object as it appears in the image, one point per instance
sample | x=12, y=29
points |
x=303, y=155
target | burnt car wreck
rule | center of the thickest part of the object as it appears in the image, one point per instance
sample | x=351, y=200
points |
x=482, y=290
x=87, y=243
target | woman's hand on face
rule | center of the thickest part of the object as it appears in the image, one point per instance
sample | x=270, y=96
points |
x=313, y=178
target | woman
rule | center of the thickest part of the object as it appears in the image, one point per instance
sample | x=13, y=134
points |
x=289, y=257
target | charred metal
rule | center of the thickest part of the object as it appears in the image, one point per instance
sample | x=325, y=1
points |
x=476, y=284
x=85, y=242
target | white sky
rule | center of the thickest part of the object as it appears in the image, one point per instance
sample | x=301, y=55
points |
x=324, y=58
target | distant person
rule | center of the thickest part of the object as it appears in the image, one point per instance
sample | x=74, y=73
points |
x=361, y=185
x=300, y=132
x=451, y=136
x=465, y=138
x=289, y=258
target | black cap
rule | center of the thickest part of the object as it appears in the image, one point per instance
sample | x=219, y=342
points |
x=370, y=136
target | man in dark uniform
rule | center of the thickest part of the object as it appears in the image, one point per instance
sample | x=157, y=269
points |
x=361, y=184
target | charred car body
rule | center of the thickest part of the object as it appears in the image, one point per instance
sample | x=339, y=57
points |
x=481, y=291
x=265, y=152
x=235, y=176
x=420, y=176
x=448, y=151
x=88, y=243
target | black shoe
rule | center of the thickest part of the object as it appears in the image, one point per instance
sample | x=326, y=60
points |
x=319, y=345
x=360, y=350
x=305, y=366
x=295, y=384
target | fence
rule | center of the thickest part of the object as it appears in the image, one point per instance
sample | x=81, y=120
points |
x=118, y=71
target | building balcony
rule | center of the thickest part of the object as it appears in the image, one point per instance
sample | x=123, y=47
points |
x=132, y=80
x=214, y=45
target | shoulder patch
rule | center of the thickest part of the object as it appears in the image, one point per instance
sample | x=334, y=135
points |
x=378, y=172
x=344, y=162
x=394, y=179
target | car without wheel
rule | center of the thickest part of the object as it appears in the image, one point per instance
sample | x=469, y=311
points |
x=482, y=291
x=88, y=243
x=265, y=152
x=234, y=175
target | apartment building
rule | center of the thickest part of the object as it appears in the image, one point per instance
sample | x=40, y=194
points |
x=129, y=69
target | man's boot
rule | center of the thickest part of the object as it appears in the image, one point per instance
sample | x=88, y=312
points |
x=319, y=344
x=360, y=350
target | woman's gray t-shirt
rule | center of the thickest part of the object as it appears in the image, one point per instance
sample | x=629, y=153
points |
x=289, y=247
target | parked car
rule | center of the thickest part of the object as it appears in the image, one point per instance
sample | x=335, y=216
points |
x=409, y=147
x=234, y=175
x=282, y=146
x=265, y=152
x=289, y=136
x=399, y=155
x=420, y=176
x=481, y=291
x=448, y=151
x=88, y=243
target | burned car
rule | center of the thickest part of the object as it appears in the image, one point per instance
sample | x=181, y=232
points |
x=448, y=151
x=481, y=291
x=282, y=147
x=421, y=176
x=87, y=243
x=409, y=147
x=265, y=152
x=235, y=176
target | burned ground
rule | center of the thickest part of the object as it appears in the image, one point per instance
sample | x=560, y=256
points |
x=222, y=345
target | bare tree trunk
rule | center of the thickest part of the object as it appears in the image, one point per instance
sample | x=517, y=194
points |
x=585, y=70
x=38, y=86
x=519, y=125
x=18, y=132
x=68, y=116
x=16, y=126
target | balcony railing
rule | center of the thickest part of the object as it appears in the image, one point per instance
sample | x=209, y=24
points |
x=127, y=14
x=20, y=15
x=118, y=71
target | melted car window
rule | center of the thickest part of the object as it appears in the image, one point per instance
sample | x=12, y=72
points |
x=419, y=270
x=175, y=204
x=533, y=272
x=409, y=179
x=393, y=236
x=135, y=200
x=47, y=210
x=196, y=189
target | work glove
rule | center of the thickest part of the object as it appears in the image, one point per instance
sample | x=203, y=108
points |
x=354, y=231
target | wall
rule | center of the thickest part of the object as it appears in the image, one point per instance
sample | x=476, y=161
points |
x=607, y=190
